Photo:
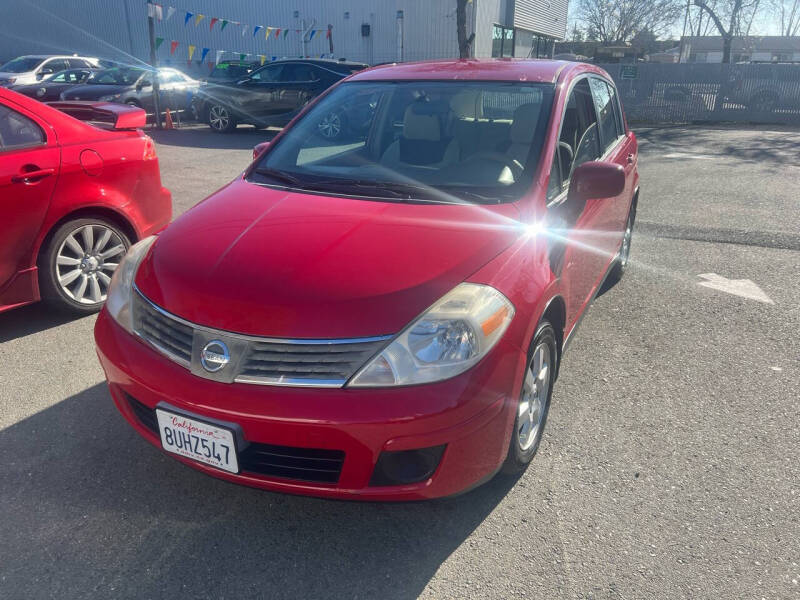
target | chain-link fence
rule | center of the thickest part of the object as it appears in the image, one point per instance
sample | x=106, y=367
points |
x=681, y=93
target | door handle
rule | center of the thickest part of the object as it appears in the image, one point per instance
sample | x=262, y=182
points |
x=630, y=159
x=32, y=176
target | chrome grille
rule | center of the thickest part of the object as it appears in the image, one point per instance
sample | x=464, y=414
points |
x=263, y=361
x=281, y=363
x=166, y=334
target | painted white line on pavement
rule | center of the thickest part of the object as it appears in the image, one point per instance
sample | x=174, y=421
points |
x=738, y=287
x=689, y=155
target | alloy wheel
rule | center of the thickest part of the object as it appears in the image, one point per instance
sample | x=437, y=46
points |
x=330, y=126
x=533, y=401
x=85, y=262
x=626, y=244
x=219, y=118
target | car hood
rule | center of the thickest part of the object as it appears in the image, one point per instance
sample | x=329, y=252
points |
x=261, y=261
x=88, y=91
x=21, y=77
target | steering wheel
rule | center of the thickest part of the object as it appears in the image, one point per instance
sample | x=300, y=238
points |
x=565, y=146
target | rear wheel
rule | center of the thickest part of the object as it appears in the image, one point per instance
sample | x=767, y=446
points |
x=534, y=400
x=220, y=119
x=76, y=266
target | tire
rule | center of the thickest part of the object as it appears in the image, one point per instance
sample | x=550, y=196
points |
x=537, y=388
x=76, y=264
x=621, y=263
x=220, y=119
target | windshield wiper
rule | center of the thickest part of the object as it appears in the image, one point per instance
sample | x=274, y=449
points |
x=391, y=189
x=281, y=176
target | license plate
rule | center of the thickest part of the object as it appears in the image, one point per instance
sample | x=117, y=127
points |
x=198, y=440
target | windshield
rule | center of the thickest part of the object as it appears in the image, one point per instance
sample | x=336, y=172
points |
x=22, y=64
x=123, y=76
x=448, y=141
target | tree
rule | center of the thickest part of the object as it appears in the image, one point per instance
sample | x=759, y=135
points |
x=736, y=13
x=617, y=21
x=464, y=41
x=789, y=13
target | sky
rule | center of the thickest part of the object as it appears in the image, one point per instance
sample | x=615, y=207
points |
x=767, y=22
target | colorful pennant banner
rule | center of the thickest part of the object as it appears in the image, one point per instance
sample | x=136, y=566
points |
x=156, y=11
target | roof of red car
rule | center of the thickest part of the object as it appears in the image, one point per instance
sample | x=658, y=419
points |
x=493, y=69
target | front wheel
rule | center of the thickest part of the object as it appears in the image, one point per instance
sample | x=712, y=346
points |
x=220, y=119
x=618, y=269
x=534, y=401
x=76, y=266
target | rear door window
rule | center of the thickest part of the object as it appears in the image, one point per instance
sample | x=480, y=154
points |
x=267, y=74
x=299, y=72
x=18, y=131
x=78, y=63
x=604, y=105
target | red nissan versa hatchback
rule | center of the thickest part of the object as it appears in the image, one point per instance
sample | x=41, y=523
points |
x=381, y=316
x=74, y=195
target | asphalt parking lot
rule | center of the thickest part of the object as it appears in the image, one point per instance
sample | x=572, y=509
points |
x=670, y=467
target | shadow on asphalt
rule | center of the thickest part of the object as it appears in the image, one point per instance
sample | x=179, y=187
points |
x=30, y=319
x=200, y=136
x=771, y=151
x=145, y=526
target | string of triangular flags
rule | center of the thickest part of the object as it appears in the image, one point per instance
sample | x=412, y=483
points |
x=157, y=12
x=204, y=52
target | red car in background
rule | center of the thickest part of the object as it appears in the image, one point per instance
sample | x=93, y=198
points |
x=79, y=183
x=382, y=316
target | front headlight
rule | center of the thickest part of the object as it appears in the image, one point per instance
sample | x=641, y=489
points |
x=118, y=302
x=110, y=98
x=449, y=338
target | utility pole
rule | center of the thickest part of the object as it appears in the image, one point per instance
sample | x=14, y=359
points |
x=400, y=40
x=151, y=29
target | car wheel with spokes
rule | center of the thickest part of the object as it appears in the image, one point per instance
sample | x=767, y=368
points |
x=220, y=119
x=534, y=399
x=331, y=125
x=76, y=266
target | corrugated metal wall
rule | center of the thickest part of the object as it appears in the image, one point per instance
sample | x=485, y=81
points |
x=542, y=16
x=117, y=29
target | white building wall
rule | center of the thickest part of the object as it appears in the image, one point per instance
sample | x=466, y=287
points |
x=548, y=17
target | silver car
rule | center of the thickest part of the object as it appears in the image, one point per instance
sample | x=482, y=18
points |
x=25, y=70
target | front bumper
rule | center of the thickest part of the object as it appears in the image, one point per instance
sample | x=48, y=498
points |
x=471, y=415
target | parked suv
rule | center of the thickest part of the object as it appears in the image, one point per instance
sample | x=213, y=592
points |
x=382, y=317
x=25, y=70
x=271, y=95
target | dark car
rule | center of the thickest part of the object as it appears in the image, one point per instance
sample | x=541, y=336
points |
x=134, y=86
x=272, y=95
x=229, y=71
x=50, y=88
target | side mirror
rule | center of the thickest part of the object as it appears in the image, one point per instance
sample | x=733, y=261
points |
x=259, y=149
x=597, y=179
x=46, y=71
x=143, y=84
